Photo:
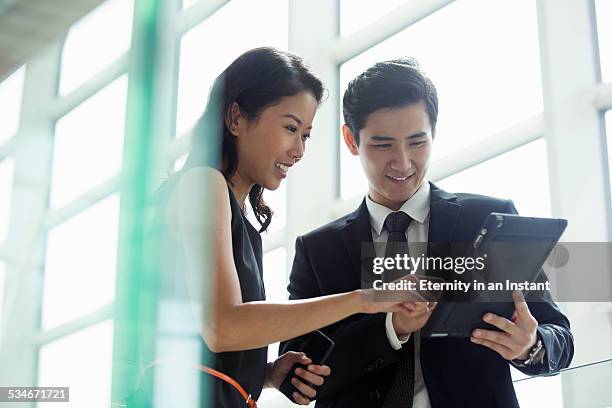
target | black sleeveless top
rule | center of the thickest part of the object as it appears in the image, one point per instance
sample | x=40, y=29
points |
x=248, y=366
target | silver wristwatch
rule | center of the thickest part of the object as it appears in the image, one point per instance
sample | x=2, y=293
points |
x=536, y=356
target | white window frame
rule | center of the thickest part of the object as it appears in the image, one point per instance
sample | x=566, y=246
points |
x=574, y=99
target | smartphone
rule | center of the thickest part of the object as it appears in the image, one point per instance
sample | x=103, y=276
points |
x=317, y=347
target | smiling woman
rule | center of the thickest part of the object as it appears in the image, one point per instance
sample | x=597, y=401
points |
x=270, y=144
x=253, y=108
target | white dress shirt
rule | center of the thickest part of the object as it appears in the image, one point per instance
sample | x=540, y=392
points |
x=417, y=207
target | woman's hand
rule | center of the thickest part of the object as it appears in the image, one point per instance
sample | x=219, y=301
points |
x=382, y=306
x=278, y=370
x=373, y=301
x=410, y=302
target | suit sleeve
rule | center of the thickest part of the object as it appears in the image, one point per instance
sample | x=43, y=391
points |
x=553, y=328
x=361, y=343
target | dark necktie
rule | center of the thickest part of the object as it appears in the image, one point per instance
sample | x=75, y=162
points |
x=402, y=389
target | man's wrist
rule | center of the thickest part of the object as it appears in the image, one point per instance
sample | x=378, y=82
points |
x=535, y=355
x=399, y=330
x=525, y=354
x=395, y=340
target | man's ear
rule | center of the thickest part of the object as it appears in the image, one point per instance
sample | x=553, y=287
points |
x=349, y=140
x=233, y=118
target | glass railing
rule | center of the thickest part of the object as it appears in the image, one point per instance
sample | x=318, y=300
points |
x=581, y=386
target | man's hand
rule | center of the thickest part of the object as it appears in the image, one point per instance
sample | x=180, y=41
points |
x=412, y=318
x=517, y=336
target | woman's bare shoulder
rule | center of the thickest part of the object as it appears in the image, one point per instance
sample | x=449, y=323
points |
x=199, y=193
x=200, y=178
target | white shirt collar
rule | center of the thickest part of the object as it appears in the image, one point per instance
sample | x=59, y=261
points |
x=417, y=207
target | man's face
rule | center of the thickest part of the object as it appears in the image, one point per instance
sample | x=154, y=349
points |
x=395, y=150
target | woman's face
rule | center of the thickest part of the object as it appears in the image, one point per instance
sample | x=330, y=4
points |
x=269, y=145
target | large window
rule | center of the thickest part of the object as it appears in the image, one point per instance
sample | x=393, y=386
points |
x=275, y=281
x=89, y=144
x=237, y=27
x=520, y=175
x=86, y=52
x=275, y=274
x=486, y=71
x=6, y=186
x=604, y=29
x=81, y=361
x=80, y=264
x=10, y=104
x=356, y=14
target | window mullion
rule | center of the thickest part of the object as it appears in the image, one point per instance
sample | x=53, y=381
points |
x=33, y=148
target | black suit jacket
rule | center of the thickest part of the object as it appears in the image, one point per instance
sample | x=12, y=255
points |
x=457, y=372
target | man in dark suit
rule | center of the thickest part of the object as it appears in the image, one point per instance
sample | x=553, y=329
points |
x=390, y=113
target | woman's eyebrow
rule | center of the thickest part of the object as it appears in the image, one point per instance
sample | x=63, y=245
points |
x=292, y=116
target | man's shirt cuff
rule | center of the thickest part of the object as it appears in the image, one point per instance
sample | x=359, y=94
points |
x=395, y=341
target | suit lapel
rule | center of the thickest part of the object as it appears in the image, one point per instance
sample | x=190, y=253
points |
x=443, y=215
x=356, y=231
x=444, y=212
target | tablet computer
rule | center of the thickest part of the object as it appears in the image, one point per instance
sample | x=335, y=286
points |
x=514, y=249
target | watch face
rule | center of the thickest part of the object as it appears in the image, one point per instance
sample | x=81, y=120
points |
x=536, y=354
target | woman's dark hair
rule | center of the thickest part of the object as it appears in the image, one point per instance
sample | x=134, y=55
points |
x=389, y=84
x=256, y=80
